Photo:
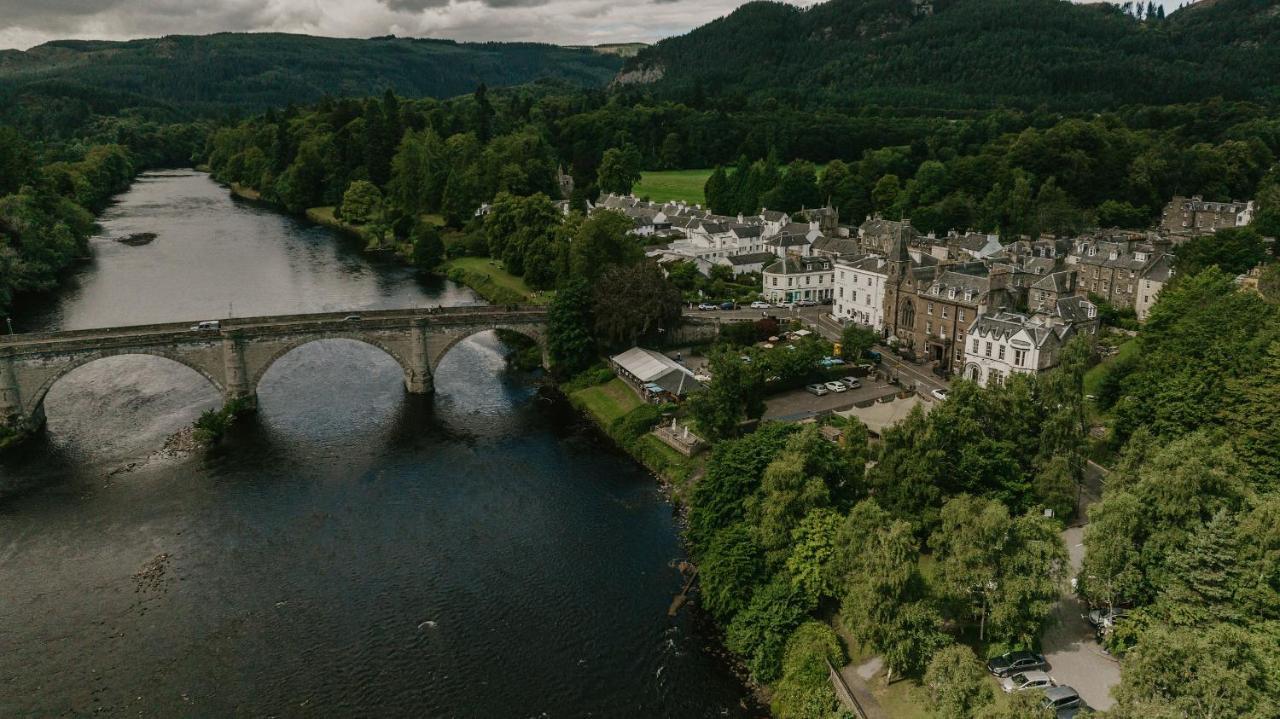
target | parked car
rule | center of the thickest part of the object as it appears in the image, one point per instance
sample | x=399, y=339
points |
x=760, y=305
x=867, y=367
x=728, y=306
x=707, y=306
x=806, y=303
x=1015, y=662
x=1026, y=680
x=874, y=356
x=830, y=361
x=816, y=389
x=939, y=394
x=1103, y=617
x=207, y=326
x=837, y=387
x=351, y=318
x=851, y=382
x=1062, y=700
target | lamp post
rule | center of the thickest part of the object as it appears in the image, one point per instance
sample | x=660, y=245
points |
x=9, y=321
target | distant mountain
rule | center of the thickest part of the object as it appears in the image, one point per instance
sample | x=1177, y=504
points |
x=960, y=54
x=188, y=75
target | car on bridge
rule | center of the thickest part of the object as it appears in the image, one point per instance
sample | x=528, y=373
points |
x=760, y=305
x=207, y=326
x=707, y=307
x=728, y=306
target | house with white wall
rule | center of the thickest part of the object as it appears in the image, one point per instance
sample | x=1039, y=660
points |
x=859, y=295
x=1001, y=344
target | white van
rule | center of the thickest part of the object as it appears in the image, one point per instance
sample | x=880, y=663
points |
x=207, y=326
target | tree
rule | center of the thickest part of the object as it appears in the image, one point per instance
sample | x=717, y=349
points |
x=428, y=249
x=760, y=631
x=957, y=684
x=635, y=301
x=1010, y=568
x=730, y=569
x=571, y=346
x=804, y=691
x=735, y=391
x=1234, y=250
x=1020, y=705
x=716, y=191
x=812, y=563
x=672, y=153
x=602, y=240
x=1057, y=484
x=884, y=197
x=797, y=189
x=619, y=170
x=418, y=173
x=856, y=341
x=913, y=637
x=1116, y=213
x=733, y=473
x=1203, y=671
x=361, y=203
x=515, y=224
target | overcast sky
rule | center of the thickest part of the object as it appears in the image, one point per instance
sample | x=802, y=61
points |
x=25, y=23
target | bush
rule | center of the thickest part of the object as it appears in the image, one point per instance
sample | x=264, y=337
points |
x=590, y=377
x=636, y=423
x=956, y=682
x=804, y=692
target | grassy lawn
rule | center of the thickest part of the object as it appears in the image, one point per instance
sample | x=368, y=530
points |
x=608, y=401
x=487, y=277
x=1094, y=376
x=666, y=185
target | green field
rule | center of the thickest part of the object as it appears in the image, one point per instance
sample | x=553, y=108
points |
x=487, y=277
x=666, y=185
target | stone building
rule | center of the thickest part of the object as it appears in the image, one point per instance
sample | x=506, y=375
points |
x=860, y=285
x=1195, y=215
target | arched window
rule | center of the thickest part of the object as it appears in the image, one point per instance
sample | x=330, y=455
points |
x=908, y=315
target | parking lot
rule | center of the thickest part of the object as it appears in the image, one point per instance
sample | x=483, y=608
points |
x=798, y=404
x=1074, y=656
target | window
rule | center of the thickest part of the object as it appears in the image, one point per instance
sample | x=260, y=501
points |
x=944, y=312
x=868, y=299
x=975, y=345
x=929, y=310
x=808, y=279
x=789, y=280
x=987, y=349
x=960, y=315
x=1020, y=357
x=1000, y=352
x=928, y=328
x=775, y=281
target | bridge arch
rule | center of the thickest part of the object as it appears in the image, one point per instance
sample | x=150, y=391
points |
x=533, y=333
x=260, y=369
x=34, y=404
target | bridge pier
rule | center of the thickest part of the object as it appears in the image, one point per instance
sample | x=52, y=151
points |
x=237, y=385
x=417, y=376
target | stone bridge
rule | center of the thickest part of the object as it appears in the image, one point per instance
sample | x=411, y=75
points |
x=236, y=355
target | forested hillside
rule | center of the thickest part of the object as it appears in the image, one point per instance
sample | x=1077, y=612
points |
x=964, y=54
x=55, y=87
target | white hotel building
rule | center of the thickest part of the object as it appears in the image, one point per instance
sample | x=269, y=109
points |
x=859, y=292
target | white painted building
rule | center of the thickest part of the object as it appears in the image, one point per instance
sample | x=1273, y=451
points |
x=799, y=278
x=1001, y=344
x=859, y=293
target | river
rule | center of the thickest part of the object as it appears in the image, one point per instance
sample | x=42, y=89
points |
x=348, y=551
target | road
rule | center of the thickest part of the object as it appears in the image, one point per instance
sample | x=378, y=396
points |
x=1075, y=658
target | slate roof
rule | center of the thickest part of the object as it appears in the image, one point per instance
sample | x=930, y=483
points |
x=799, y=265
x=1055, y=282
x=843, y=246
x=752, y=258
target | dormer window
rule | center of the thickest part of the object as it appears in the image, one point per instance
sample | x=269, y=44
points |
x=1113, y=255
x=951, y=293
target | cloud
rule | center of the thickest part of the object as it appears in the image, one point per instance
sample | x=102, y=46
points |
x=25, y=23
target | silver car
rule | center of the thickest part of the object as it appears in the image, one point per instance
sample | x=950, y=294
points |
x=1026, y=680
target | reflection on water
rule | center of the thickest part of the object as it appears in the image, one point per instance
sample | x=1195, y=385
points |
x=348, y=551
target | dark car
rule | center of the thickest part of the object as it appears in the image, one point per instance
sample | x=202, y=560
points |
x=1014, y=662
x=728, y=306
